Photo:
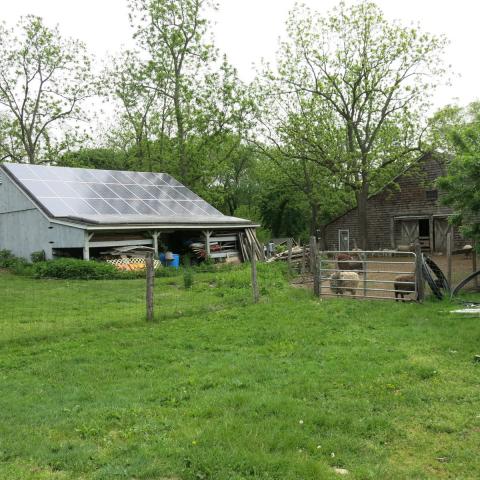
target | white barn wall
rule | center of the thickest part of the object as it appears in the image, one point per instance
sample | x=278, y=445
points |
x=24, y=229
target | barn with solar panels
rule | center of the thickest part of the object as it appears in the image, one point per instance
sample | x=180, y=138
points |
x=84, y=213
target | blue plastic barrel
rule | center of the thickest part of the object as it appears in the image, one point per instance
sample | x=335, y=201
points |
x=175, y=263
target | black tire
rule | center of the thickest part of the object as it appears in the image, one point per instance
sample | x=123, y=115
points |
x=464, y=282
x=435, y=278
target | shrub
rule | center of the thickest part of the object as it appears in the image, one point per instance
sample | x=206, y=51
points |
x=188, y=278
x=75, y=269
x=15, y=264
x=38, y=256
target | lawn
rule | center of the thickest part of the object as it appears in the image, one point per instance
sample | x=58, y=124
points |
x=219, y=388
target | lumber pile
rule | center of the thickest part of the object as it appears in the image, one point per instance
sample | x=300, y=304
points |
x=246, y=240
x=300, y=258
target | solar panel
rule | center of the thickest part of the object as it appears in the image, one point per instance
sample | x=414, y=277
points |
x=97, y=194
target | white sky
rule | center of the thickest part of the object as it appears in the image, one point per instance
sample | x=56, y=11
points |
x=247, y=30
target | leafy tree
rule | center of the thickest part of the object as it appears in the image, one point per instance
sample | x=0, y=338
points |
x=129, y=81
x=461, y=185
x=44, y=79
x=172, y=32
x=374, y=77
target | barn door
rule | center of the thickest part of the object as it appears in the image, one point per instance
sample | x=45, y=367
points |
x=343, y=240
x=409, y=229
x=440, y=230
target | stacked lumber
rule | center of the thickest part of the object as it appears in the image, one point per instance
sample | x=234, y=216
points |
x=248, y=239
x=298, y=255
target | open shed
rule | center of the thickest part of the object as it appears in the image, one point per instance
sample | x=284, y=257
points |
x=80, y=212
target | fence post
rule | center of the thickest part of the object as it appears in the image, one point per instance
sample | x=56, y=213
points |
x=449, y=257
x=253, y=262
x=419, y=272
x=314, y=257
x=289, y=260
x=150, y=276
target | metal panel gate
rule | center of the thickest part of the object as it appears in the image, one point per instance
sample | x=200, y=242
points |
x=386, y=275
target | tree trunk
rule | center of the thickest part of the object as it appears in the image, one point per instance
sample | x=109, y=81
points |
x=314, y=210
x=362, y=212
x=182, y=160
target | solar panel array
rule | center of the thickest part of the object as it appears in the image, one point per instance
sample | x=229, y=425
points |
x=78, y=192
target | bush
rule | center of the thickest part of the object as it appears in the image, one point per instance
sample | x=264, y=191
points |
x=188, y=278
x=15, y=264
x=75, y=269
x=38, y=256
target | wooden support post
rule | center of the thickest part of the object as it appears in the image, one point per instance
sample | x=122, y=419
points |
x=207, y=235
x=449, y=257
x=253, y=262
x=419, y=272
x=150, y=278
x=155, y=236
x=86, y=246
x=289, y=260
x=314, y=257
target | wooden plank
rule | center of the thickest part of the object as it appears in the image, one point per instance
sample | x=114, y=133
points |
x=289, y=258
x=121, y=243
x=255, y=291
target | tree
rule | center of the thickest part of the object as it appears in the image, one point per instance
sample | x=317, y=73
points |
x=44, y=79
x=461, y=185
x=172, y=32
x=302, y=139
x=375, y=77
x=141, y=108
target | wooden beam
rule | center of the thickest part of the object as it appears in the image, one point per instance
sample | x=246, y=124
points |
x=253, y=260
x=155, y=236
x=86, y=246
x=121, y=243
x=207, y=234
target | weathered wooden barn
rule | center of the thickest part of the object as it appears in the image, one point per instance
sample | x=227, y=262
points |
x=80, y=212
x=406, y=210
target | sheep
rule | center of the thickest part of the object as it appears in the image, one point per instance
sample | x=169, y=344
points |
x=343, y=262
x=405, y=283
x=341, y=282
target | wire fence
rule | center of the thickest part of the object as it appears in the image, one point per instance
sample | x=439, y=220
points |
x=32, y=309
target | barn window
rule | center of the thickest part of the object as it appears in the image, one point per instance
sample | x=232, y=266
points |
x=432, y=195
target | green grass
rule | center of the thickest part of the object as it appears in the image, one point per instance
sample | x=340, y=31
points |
x=219, y=388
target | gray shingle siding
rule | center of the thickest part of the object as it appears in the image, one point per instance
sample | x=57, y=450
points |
x=407, y=197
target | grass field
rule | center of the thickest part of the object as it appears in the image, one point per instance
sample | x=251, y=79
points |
x=218, y=388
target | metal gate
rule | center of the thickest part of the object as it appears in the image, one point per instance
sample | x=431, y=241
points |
x=386, y=275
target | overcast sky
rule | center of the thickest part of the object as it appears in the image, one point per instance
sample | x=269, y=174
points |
x=247, y=30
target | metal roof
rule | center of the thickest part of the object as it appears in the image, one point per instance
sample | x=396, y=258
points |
x=111, y=197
